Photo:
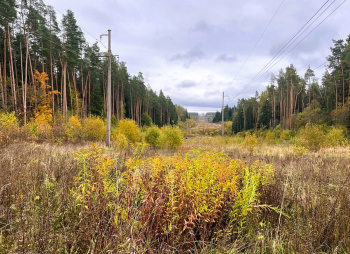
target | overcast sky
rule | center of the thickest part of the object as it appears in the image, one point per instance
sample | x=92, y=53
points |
x=195, y=50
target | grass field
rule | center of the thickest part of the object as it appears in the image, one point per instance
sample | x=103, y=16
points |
x=54, y=199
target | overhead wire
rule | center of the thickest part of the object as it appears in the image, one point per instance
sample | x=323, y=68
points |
x=256, y=43
x=286, y=46
x=268, y=66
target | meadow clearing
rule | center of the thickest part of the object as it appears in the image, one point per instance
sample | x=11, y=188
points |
x=247, y=193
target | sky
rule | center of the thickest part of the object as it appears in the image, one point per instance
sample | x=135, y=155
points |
x=195, y=50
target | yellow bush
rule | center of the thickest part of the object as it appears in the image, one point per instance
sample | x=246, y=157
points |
x=94, y=129
x=270, y=137
x=250, y=142
x=170, y=138
x=286, y=135
x=228, y=128
x=73, y=128
x=130, y=130
x=335, y=137
x=310, y=137
x=119, y=140
x=9, y=124
x=152, y=135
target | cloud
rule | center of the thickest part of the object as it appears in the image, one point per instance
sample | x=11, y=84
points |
x=226, y=58
x=187, y=84
x=201, y=26
x=189, y=57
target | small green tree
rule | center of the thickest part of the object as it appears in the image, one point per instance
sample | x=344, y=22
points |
x=146, y=120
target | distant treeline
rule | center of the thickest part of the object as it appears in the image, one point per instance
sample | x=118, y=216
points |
x=292, y=100
x=31, y=39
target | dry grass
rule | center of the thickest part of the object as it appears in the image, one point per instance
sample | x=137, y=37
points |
x=312, y=189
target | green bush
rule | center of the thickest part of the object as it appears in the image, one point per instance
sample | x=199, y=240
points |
x=286, y=135
x=335, y=137
x=311, y=137
x=130, y=129
x=152, y=135
x=94, y=129
x=170, y=138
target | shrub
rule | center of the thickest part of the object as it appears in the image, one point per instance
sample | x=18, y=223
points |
x=130, y=129
x=250, y=142
x=170, y=138
x=94, y=129
x=286, y=135
x=228, y=128
x=310, y=137
x=335, y=137
x=277, y=131
x=152, y=135
x=73, y=128
x=269, y=137
x=9, y=124
x=119, y=140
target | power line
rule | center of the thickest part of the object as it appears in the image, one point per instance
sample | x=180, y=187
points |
x=262, y=34
x=285, y=47
x=310, y=32
x=268, y=66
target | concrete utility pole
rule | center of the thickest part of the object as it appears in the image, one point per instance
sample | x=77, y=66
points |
x=109, y=98
x=222, y=114
x=109, y=84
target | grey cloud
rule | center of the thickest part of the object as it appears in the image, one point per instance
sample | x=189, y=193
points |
x=190, y=57
x=226, y=58
x=201, y=26
x=186, y=84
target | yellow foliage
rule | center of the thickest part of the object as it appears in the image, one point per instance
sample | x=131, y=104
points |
x=119, y=140
x=9, y=124
x=170, y=138
x=195, y=190
x=43, y=113
x=250, y=142
x=130, y=130
x=94, y=129
x=73, y=128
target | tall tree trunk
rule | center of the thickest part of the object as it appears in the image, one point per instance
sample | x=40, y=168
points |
x=64, y=89
x=291, y=104
x=118, y=101
x=122, y=101
x=42, y=55
x=281, y=105
x=274, y=109
x=342, y=73
x=13, y=85
x=70, y=92
x=4, y=72
x=336, y=93
x=75, y=93
x=2, y=89
x=26, y=80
